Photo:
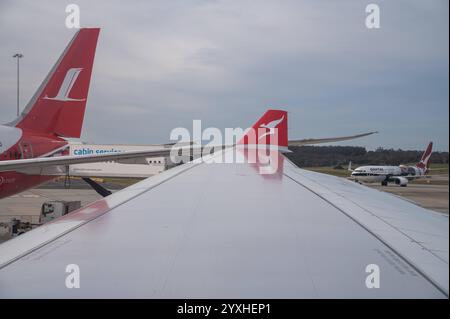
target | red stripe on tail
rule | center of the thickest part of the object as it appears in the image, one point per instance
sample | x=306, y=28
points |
x=425, y=160
x=271, y=129
x=59, y=104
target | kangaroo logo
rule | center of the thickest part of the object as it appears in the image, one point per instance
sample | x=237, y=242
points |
x=66, y=86
x=271, y=127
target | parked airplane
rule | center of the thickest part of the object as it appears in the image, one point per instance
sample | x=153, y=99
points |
x=210, y=230
x=399, y=175
x=32, y=145
x=54, y=113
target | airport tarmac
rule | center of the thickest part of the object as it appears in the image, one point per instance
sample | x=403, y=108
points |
x=26, y=206
x=434, y=197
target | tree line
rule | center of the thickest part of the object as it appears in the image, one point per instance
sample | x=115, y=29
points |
x=314, y=156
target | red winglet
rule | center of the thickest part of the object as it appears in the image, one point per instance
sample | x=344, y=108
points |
x=270, y=129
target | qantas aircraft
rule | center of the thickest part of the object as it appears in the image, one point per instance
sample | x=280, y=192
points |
x=32, y=145
x=54, y=113
x=399, y=175
x=207, y=229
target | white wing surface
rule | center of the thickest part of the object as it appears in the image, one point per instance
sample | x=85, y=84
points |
x=209, y=230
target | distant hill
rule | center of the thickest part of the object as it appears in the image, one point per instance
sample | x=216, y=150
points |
x=314, y=156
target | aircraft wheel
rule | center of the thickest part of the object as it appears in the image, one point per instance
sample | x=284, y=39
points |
x=384, y=183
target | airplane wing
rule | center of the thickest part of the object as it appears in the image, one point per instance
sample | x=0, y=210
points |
x=310, y=141
x=208, y=229
x=58, y=164
x=35, y=165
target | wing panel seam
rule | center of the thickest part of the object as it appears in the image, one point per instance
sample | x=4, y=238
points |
x=372, y=233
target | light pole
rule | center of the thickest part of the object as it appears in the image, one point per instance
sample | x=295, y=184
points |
x=18, y=56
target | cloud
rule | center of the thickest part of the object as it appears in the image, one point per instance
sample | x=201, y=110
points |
x=161, y=64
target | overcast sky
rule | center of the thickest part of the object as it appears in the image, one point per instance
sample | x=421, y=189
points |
x=161, y=64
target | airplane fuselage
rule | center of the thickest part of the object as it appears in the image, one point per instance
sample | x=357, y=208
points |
x=376, y=174
x=55, y=110
x=16, y=143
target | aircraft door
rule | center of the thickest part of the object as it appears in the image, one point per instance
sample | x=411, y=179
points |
x=25, y=149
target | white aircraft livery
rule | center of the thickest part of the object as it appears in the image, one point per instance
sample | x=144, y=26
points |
x=399, y=175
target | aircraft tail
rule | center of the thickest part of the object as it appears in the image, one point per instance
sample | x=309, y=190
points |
x=270, y=129
x=58, y=105
x=425, y=160
x=350, y=166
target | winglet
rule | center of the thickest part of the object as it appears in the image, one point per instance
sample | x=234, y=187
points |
x=270, y=129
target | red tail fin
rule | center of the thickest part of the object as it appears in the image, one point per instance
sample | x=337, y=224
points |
x=59, y=103
x=425, y=160
x=271, y=129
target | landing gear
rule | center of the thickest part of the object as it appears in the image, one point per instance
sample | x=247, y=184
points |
x=384, y=183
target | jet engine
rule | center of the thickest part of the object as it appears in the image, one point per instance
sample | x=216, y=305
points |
x=401, y=181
